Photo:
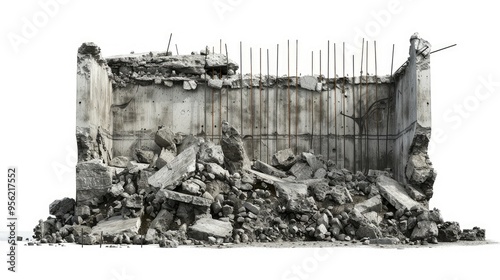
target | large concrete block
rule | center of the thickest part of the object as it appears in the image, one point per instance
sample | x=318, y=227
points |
x=395, y=193
x=295, y=197
x=93, y=178
x=185, y=198
x=184, y=164
x=117, y=225
x=372, y=204
x=205, y=227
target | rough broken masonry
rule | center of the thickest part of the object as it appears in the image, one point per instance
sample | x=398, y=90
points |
x=309, y=158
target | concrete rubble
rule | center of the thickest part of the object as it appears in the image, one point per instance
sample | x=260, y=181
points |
x=198, y=192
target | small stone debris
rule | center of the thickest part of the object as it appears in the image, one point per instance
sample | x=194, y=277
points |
x=190, y=191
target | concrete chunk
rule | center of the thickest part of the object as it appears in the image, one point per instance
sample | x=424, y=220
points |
x=372, y=204
x=308, y=82
x=284, y=159
x=301, y=171
x=393, y=192
x=93, y=179
x=265, y=177
x=117, y=225
x=183, y=165
x=268, y=169
x=186, y=198
x=294, y=196
x=205, y=227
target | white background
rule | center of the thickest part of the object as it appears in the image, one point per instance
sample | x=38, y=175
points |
x=37, y=115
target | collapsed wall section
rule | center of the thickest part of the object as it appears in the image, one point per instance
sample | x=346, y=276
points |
x=360, y=123
x=412, y=120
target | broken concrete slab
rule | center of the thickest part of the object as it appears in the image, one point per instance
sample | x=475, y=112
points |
x=284, y=159
x=371, y=204
x=268, y=169
x=117, y=225
x=394, y=193
x=417, y=195
x=205, y=227
x=165, y=194
x=93, y=178
x=183, y=165
x=265, y=177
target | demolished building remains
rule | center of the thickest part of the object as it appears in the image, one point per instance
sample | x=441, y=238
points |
x=180, y=149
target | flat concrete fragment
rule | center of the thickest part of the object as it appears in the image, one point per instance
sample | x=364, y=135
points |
x=186, y=198
x=268, y=169
x=117, y=225
x=393, y=192
x=372, y=204
x=183, y=165
x=266, y=178
x=205, y=227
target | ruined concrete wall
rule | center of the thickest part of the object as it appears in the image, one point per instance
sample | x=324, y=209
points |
x=411, y=122
x=345, y=122
x=360, y=124
x=94, y=124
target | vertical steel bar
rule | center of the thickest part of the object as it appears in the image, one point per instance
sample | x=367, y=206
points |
x=227, y=91
x=205, y=130
x=267, y=110
x=320, y=109
x=276, y=94
x=213, y=108
x=312, y=104
x=260, y=104
x=169, y=39
x=252, y=113
x=296, y=96
x=376, y=99
x=353, y=114
x=365, y=120
x=335, y=102
x=241, y=88
x=360, y=103
x=288, y=90
x=387, y=120
x=219, y=123
x=328, y=102
x=343, y=96
x=176, y=49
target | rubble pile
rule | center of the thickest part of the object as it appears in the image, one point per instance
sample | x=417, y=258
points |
x=197, y=192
